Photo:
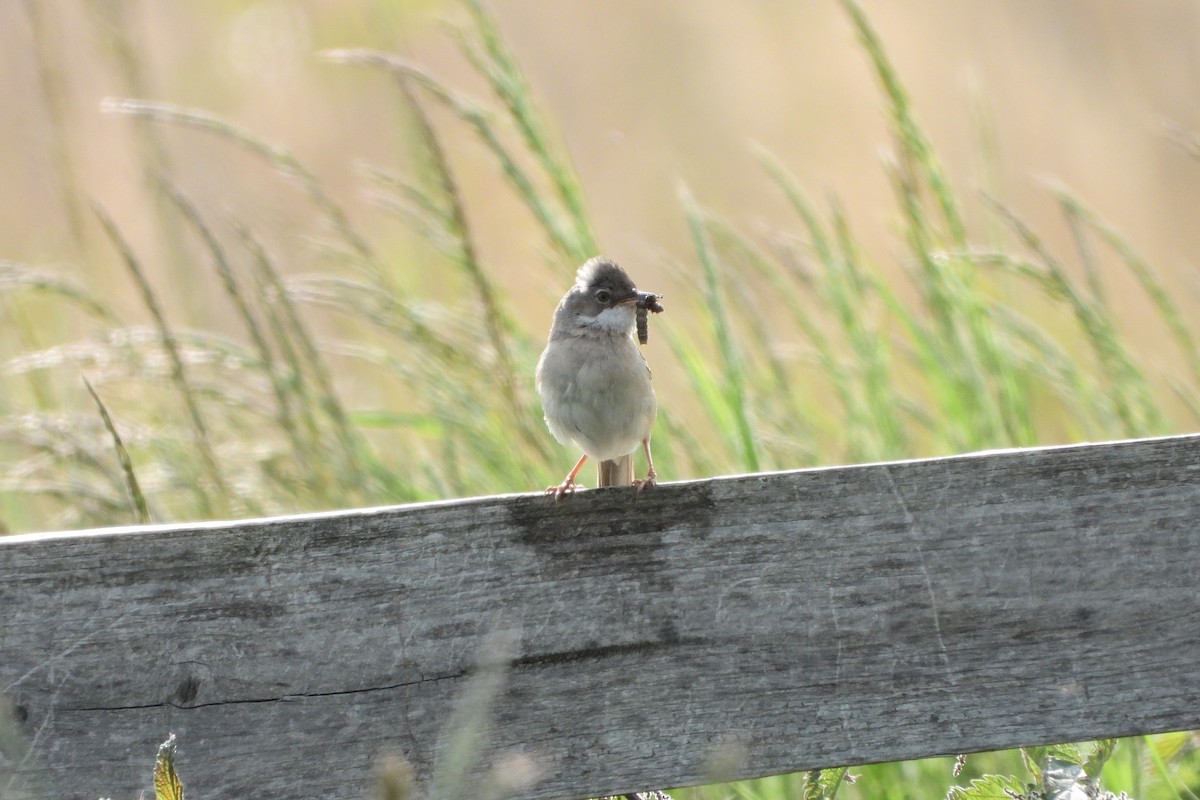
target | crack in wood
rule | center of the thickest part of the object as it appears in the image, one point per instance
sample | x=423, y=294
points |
x=280, y=699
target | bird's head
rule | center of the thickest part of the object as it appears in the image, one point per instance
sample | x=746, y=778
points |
x=601, y=303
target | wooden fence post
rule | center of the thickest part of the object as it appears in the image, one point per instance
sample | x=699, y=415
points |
x=801, y=620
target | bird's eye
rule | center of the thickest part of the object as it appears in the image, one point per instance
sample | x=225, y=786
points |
x=603, y=296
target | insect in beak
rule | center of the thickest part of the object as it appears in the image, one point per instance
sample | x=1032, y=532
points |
x=646, y=301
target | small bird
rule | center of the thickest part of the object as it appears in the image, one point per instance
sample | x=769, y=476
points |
x=593, y=379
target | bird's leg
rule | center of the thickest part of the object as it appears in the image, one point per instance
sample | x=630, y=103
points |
x=651, y=475
x=568, y=485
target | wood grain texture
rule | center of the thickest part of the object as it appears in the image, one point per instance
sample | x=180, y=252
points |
x=776, y=622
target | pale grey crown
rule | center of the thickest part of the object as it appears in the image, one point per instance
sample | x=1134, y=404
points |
x=603, y=273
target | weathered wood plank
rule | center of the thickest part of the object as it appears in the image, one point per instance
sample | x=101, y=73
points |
x=812, y=618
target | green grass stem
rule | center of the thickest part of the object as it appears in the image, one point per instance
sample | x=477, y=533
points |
x=481, y=122
x=734, y=377
x=137, y=500
x=498, y=65
x=208, y=503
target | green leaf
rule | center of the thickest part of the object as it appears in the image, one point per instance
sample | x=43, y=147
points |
x=823, y=784
x=167, y=785
x=1096, y=759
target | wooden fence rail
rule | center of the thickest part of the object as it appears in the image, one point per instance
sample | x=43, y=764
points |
x=774, y=622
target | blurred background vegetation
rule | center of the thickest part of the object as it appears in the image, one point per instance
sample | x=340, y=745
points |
x=305, y=253
x=330, y=289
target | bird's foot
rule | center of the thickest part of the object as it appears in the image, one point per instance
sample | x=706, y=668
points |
x=649, y=482
x=566, y=487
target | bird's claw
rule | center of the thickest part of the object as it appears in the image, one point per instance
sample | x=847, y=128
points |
x=650, y=482
x=566, y=487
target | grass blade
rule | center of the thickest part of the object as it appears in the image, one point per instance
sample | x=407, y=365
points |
x=734, y=377
x=510, y=85
x=136, y=498
x=1134, y=402
x=1150, y=282
x=478, y=120
x=179, y=375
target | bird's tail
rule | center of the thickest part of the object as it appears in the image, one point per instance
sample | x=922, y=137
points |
x=615, y=473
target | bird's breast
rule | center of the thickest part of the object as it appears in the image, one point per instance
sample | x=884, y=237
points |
x=596, y=392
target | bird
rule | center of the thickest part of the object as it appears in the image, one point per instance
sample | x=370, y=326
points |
x=593, y=380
